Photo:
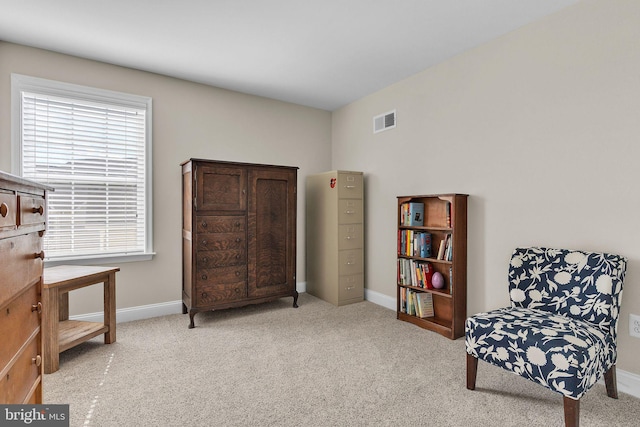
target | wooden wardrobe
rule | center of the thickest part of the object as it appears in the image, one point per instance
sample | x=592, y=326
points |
x=238, y=234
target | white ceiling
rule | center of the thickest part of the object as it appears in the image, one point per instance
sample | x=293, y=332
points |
x=323, y=53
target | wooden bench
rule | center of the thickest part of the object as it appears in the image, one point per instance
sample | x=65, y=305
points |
x=60, y=333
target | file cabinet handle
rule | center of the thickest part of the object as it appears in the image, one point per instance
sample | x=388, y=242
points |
x=349, y=187
x=349, y=212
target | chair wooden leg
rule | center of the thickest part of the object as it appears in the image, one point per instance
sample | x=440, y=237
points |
x=571, y=412
x=472, y=370
x=611, y=383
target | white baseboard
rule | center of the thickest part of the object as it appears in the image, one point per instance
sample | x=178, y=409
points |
x=380, y=299
x=135, y=313
x=628, y=382
x=148, y=311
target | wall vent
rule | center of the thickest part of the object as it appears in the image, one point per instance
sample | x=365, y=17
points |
x=384, y=121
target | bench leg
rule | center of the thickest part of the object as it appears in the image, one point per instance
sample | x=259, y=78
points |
x=472, y=370
x=50, y=330
x=110, y=308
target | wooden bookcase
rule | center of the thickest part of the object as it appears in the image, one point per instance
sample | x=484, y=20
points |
x=444, y=215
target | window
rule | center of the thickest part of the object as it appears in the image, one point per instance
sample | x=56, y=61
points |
x=94, y=148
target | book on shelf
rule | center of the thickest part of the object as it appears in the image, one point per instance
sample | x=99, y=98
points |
x=424, y=304
x=412, y=214
x=448, y=247
x=414, y=243
x=441, y=249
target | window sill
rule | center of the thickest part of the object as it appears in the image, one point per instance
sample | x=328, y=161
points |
x=99, y=259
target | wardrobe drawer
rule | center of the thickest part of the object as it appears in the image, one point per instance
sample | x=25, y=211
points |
x=18, y=320
x=350, y=211
x=350, y=262
x=220, y=241
x=221, y=275
x=220, y=224
x=209, y=259
x=351, y=287
x=350, y=236
x=8, y=203
x=20, y=378
x=32, y=209
x=216, y=294
x=350, y=185
x=20, y=264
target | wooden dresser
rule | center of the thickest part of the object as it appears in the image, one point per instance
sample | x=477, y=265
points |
x=238, y=234
x=22, y=225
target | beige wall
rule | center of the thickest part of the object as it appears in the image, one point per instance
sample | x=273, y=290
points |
x=189, y=120
x=541, y=127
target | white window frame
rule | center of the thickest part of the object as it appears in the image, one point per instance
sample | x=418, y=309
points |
x=20, y=83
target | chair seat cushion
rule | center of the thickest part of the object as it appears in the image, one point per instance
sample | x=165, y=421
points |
x=563, y=354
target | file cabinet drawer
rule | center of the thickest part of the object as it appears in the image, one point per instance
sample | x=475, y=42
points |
x=350, y=211
x=351, y=287
x=350, y=236
x=350, y=185
x=350, y=262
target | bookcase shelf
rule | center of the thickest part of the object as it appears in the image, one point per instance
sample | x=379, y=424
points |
x=432, y=241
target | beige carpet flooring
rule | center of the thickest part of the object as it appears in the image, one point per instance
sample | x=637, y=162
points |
x=317, y=365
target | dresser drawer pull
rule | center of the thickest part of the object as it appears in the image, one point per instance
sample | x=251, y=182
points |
x=238, y=240
x=4, y=210
x=237, y=224
x=37, y=360
x=39, y=210
x=204, y=295
x=37, y=307
x=204, y=242
x=39, y=255
x=238, y=256
x=204, y=277
x=204, y=224
x=237, y=273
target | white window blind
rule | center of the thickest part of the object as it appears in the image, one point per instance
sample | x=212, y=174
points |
x=94, y=154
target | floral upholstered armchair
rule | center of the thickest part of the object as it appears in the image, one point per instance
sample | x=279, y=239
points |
x=560, y=330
